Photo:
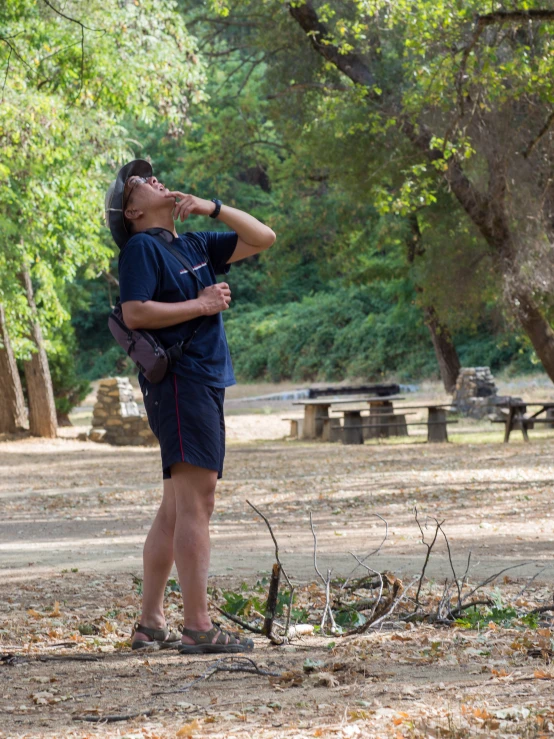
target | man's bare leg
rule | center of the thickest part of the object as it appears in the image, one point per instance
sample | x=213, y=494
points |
x=194, y=503
x=158, y=561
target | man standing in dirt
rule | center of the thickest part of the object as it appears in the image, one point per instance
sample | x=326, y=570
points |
x=185, y=410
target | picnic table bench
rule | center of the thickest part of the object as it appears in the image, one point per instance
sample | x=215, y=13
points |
x=317, y=411
x=517, y=418
x=386, y=422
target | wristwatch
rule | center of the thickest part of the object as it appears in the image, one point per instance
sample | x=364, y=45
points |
x=217, y=208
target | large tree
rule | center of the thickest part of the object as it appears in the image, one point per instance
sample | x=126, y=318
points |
x=70, y=83
x=448, y=97
x=471, y=91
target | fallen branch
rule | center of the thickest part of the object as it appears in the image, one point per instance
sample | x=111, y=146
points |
x=492, y=578
x=542, y=609
x=487, y=602
x=531, y=581
x=251, y=668
x=112, y=719
x=238, y=621
x=378, y=599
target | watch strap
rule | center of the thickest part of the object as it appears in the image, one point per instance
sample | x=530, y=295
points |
x=217, y=208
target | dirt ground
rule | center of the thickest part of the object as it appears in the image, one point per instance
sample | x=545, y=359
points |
x=74, y=516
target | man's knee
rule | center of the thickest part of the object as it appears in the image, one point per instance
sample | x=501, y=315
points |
x=194, y=490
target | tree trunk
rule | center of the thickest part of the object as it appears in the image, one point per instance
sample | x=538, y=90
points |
x=445, y=351
x=42, y=409
x=537, y=329
x=12, y=405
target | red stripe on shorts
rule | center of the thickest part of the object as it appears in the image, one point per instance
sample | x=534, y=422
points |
x=178, y=419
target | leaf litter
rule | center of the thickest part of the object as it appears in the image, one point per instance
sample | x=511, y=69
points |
x=486, y=673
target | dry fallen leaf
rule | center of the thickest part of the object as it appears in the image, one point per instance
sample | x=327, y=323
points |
x=543, y=675
x=327, y=679
x=35, y=614
x=43, y=698
x=481, y=713
x=289, y=679
x=188, y=729
x=56, y=610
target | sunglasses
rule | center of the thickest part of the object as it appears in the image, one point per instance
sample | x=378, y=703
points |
x=137, y=181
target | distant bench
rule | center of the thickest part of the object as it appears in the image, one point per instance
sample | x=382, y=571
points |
x=395, y=424
x=517, y=418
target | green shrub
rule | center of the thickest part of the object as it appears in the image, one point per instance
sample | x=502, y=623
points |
x=343, y=332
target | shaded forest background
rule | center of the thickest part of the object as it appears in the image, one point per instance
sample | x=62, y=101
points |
x=351, y=137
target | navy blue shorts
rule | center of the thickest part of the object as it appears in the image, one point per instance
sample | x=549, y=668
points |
x=187, y=419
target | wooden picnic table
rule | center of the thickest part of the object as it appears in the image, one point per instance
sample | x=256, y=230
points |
x=517, y=417
x=385, y=421
x=316, y=413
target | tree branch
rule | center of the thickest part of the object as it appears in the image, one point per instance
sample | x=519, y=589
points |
x=516, y=16
x=544, y=130
x=351, y=64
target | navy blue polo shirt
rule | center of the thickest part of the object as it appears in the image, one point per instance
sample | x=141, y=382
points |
x=149, y=271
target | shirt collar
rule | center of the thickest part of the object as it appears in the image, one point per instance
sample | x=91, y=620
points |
x=163, y=232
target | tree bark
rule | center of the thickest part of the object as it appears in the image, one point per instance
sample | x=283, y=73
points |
x=537, y=329
x=445, y=351
x=12, y=403
x=40, y=394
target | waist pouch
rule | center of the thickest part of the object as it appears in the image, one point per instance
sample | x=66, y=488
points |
x=145, y=349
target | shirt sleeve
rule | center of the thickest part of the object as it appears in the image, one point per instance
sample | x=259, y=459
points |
x=220, y=246
x=138, y=272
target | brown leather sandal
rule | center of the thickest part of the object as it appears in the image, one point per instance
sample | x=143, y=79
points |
x=204, y=643
x=161, y=638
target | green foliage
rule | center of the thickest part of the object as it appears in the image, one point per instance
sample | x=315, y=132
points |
x=346, y=332
x=247, y=599
x=70, y=388
x=498, y=613
x=69, y=80
x=349, y=619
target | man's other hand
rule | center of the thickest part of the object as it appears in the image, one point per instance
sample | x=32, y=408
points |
x=215, y=298
x=186, y=205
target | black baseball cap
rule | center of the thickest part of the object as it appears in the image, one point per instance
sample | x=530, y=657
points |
x=114, y=199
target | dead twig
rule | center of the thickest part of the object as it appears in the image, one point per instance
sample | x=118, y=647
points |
x=369, y=569
x=240, y=666
x=428, y=555
x=402, y=596
x=327, y=611
x=531, y=581
x=456, y=582
x=492, y=578
x=269, y=622
x=375, y=551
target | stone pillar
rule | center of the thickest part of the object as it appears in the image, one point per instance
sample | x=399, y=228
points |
x=117, y=419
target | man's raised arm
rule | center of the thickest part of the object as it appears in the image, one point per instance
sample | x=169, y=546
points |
x=253, y=236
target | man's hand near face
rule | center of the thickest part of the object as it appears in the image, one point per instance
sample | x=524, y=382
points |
x=253, y=236
x=187, y=205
